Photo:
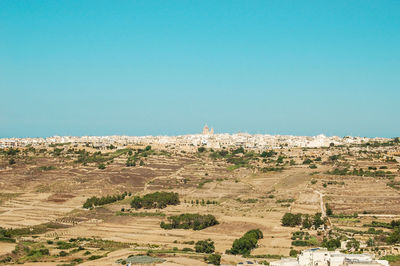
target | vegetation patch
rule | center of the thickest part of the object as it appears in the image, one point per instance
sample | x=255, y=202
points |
x=158, y=200
x=246, y=243
x=205, y=246
x=190, y=221
x=95, y=201
x=140, y=214
x=140, y=259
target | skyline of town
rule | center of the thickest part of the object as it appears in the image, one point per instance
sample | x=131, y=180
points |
x=205, y=128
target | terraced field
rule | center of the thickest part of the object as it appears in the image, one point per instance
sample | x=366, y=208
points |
x=241, y=198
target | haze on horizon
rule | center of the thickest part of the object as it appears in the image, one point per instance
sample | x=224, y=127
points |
x=169, y=67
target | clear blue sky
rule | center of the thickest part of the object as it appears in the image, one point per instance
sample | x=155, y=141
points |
x=167, y=67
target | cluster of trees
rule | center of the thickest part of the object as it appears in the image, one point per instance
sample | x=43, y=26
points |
x=246, y=243
x=290, y=219
x=190, y=221
x=84, y=157
x=133, y=158
x=95, y=201
x=130, y=162
x=158, y=200
x=331, y=244
x=10, y=151
x=361, y=172
x=271, y=169
x=205, y=246
x=238, y=157
x=268, y=154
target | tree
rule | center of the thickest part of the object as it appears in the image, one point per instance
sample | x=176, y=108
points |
x=317, y=221
x=11, y=161
x=141, y=163
x=329, y=211
x=307, y=222
x=201, y=149
x=102, y=166
x=293, y=253
x=205, y=246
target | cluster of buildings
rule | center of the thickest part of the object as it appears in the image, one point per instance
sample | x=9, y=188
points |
x=323, y=257
x=191, y=142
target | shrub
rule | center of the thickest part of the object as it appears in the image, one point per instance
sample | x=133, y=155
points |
x=102, y=166
x=293, y=253
x=63, y=253
x=95, y=257
x=205, y=246
x=65, y=245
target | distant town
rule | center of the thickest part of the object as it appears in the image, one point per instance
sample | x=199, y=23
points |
x=206, y=138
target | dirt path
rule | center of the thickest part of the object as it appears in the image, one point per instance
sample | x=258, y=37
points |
x=321, y=197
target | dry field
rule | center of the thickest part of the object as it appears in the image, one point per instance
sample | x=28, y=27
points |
x=44, y=191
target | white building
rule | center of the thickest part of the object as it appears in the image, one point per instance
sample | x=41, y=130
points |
x=323, y=257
